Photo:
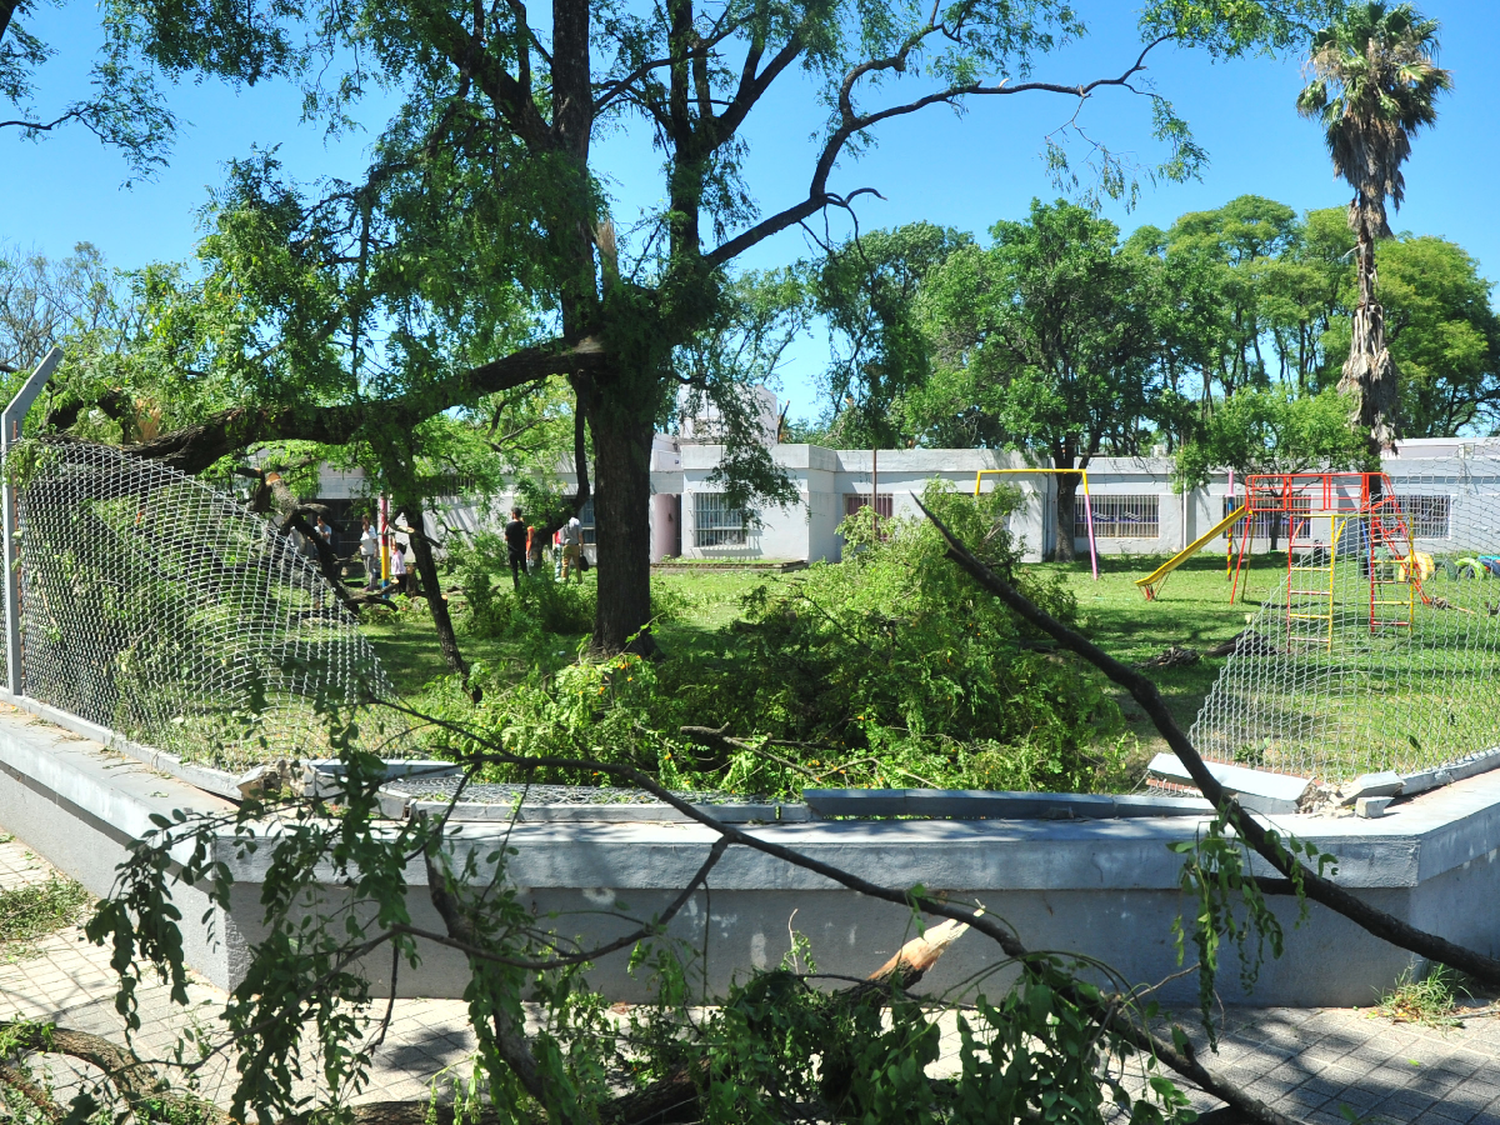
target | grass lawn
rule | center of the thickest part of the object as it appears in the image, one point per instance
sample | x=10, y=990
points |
x=1192, y=610
x=706, y=601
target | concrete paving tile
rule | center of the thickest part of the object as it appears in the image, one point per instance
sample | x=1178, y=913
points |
x=1482, y=1090
x=1433, y=1117
x=1359, y=1097
x=1301, y=1101
x=1409, y=1105
x=1453, y=1112
x=1326, y=1117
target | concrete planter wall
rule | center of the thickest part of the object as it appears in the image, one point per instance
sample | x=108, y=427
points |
x=1106, y=888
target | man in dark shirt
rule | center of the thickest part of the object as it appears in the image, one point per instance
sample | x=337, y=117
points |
x=515, y=543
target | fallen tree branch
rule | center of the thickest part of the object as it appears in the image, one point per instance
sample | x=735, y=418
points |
x=1105, y=1012
x=1319, y=889
x=135, y=1081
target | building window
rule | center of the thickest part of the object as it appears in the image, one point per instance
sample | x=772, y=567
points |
x=1269, y=525
x=854, y=501
x=1427, y=517
x=1119, y=517
x=715, y=523
x=586, y=522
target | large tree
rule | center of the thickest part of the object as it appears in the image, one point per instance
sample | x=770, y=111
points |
x=1443, y=336
x=868, y=288
x=124, y=106
x=1374, y=85
x=1053, y=331
x=486, y=182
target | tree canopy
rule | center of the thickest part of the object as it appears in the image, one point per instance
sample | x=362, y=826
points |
x=1374, y=85
x=481, y=252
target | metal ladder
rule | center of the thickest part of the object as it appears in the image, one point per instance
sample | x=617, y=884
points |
x=1310, y=564
x=1394, y=581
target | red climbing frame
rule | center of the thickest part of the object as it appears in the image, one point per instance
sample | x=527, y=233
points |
x=1371, y=496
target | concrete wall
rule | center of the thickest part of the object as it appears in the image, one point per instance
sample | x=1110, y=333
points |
x=1105, y=888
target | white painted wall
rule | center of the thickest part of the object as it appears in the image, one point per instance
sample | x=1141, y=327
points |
x=1466, y=471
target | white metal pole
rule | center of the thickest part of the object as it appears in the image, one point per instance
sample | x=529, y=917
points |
x=10, y=433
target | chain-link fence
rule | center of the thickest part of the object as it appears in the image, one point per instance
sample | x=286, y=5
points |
x=162, y=609
x=1378, y=651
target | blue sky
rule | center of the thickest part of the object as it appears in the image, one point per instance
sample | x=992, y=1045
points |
x=965, y=172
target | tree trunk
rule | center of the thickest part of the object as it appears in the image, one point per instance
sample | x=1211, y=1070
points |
x=432, y=590
x=622, y=506
x=1369, y=374
x=1067, y=503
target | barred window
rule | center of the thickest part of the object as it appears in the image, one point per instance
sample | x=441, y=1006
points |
x=1427, y=517
x=586, y=522
x=715, y=523
x=1267, y=525
x=884, y=503
x=1119, y=517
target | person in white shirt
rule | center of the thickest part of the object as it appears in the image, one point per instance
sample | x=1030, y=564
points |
x=398, y=567
x=369, y=552
x=572, y=548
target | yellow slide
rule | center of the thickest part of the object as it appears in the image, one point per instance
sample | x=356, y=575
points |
x=1149, y=583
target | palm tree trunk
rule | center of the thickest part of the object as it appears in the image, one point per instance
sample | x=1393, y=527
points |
x=1369, y=375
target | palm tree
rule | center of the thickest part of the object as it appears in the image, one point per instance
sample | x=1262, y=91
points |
x=1374, y=84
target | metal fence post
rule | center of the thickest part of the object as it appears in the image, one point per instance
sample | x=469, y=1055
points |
x=10, y=433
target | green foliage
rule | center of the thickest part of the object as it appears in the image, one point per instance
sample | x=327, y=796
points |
x=1442, y=333
x=888, y=668
x=1231, y=907
x=868, y=290
x=1272, y=431
x=1429, y=998
x=541, y=607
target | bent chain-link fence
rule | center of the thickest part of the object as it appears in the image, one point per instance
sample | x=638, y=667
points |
x=1339, y=676
x=162, y=609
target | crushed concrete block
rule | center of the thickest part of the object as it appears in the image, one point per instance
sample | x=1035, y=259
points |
x=274, y=779
x=1387, y=783
x=1256, y=790
x=1370, y=807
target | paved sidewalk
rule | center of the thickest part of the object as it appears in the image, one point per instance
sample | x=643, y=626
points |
x=1307, y=1063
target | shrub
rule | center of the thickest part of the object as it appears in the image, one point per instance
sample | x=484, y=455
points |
x=889, y=668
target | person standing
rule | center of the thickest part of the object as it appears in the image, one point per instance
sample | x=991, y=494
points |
x=398, y=567
x=533, y=549
x=572, y=547
x=515, y=544
x=369, y=552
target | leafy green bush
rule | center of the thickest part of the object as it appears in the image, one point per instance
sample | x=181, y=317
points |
x=890, y=668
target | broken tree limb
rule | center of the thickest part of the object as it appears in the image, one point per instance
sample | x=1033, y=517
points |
x=135, y=1081
x=1143, y=690
x=1106, y=1013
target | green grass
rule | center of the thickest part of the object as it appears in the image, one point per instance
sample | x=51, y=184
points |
x=31, y=912
x=1429, y=999
x=1191, y=610
x=406, y=641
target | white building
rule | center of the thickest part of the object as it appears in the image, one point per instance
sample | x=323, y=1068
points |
x=1131, y=501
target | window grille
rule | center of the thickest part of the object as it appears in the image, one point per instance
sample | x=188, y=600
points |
x=715, y=523
x=884, y=503
x=586, y=522
x=1427, y=517
x=1119, y=517
x=1266, y=525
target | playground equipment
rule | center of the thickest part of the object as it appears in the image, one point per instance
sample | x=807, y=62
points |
x=1153, y=582
x=1380, y=648
x=1088, y=509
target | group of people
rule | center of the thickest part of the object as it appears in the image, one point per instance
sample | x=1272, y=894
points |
x=523, y=544
x=369, y=553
